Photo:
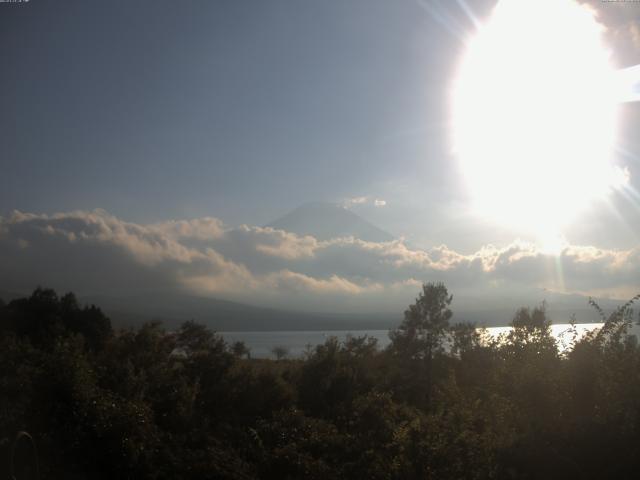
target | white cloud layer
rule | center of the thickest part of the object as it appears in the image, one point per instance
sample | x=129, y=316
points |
x=95, y=252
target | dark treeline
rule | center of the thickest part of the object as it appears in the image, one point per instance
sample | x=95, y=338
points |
x=441, y=402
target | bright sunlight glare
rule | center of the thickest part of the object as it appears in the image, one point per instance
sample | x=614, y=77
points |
x=534, y=115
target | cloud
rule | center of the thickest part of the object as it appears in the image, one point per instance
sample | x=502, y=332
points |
x=622, y=33
x=95, y=252
x=199, y=228
x=362, y=201
x=356, y=201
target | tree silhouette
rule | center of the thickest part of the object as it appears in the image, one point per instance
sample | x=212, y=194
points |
x=240, y=349
x=422, y=333
x=425, y=324
x=440, y=402
x=280, y=352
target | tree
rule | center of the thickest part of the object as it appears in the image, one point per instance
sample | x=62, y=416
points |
x=423, y=332
x=197, y=339
x=240, y=349
x=425, y=324
x=44, y=317
x=89, y=321
x=280, y=352
x=532, y=330
x=335, y=374
x=465, y=338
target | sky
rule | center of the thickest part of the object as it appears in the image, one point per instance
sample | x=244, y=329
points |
x=153, y=140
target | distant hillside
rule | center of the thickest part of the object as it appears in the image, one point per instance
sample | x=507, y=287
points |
x=223, y=315
x=561, y=308
x=325, y=221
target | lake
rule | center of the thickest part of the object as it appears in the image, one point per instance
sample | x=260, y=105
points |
x=296, y=342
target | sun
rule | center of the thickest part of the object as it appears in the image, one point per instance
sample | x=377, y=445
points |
x=534, y=114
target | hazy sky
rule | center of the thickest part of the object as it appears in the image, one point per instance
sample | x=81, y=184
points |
x=243, y=110
x=157, y=109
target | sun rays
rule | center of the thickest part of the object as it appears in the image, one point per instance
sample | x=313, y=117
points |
x=534, y=117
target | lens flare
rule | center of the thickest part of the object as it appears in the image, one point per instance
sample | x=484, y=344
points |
x=534, y=114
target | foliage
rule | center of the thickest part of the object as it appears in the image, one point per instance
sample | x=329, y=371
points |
x=425, y=324
x=442, y=401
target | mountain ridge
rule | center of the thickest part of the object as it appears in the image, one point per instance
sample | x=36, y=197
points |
x=325, y=221
x=226, y=315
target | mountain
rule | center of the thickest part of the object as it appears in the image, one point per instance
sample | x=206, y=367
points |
x=325, y=221
x=223, y=315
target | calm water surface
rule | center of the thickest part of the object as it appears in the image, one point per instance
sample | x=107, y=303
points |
x=296, y=342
